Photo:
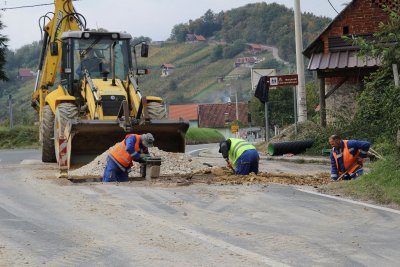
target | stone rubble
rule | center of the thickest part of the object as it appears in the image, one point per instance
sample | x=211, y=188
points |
x=171, y=164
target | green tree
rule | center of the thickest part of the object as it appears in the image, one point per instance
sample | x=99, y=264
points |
x=3, y=46
x=378, y=114
x=179, y=32
x=230, y=51
x=172, y=85
x=136, y=40
x=217, y=53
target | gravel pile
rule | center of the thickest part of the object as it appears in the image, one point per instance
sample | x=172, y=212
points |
x=171, y=164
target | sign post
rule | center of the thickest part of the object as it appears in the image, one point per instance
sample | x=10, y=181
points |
x=265, y=82
x=285, y=80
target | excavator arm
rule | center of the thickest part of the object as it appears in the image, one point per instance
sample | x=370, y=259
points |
x=64, y=19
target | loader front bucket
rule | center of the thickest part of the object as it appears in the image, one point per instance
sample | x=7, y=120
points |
x=93, y=137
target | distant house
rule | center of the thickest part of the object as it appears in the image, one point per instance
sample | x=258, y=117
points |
x=340, y=70
x=255, y=48
x=193, y=38
x=186, y=112
x=167, y=69
x=25, y=74
x=219, y=116
x=246, y=62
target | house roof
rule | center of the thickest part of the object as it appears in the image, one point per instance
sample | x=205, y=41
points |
x=213, y=115
x=243, y=60
x=25, y=73
x=200, y=37
x=317, y=41
x=168, y=66
x=256, y=46
x=341, y=60
x=186, y=112
x=309, y=49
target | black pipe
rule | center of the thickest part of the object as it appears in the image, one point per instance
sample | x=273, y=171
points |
x=294, y=147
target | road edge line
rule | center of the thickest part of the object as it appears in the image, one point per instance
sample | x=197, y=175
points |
x=350, y=201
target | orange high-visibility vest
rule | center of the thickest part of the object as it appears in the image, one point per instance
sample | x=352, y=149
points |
x=121, y=155
x=350, y=161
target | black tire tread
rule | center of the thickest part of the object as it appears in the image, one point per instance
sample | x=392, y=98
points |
x=156, y=110
x=47, y=135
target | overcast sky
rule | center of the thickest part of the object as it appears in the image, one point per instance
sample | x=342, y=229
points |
x=152, y=18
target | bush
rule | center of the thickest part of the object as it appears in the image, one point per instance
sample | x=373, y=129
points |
x=20, y=136
x=203, y=136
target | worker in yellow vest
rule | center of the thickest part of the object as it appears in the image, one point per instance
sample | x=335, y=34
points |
x=133, y=148
x=240, y=155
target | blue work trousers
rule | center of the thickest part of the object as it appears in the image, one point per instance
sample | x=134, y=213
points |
x=247, y=162
x=113, y=173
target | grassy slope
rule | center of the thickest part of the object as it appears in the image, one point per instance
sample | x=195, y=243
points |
x=195, y=76
x=203, y=135
x=381, y=184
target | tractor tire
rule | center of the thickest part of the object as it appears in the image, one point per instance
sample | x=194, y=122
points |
x=156, y=111
x=47, y=135
x=64, y=112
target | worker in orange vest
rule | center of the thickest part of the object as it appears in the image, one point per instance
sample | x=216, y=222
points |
x=347, y=157
x=119, y=162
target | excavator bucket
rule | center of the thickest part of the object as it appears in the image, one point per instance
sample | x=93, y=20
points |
x=91, y=138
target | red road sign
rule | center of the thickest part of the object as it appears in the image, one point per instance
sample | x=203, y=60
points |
x=283, y=80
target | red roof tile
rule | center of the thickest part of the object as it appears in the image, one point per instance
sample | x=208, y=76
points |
x=186, y=112
x=256, y=46
x=242, y=60
x=200, y=38
x=213, y=115
x=168, y=66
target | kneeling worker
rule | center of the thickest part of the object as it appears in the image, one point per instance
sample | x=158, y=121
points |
x=133, y=148
x=240, y=154
x=347, y=157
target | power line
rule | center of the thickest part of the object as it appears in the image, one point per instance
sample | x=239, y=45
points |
x=332, y=6
x=19, y=7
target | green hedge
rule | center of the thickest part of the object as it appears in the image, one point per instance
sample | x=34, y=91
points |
x=203, y=136
x=20, y=136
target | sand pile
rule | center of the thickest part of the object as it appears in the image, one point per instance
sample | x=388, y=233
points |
x=171, y=164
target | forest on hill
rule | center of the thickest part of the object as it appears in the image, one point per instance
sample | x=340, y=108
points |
x=271, y=24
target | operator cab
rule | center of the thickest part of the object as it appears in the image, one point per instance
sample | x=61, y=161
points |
x=98, y=53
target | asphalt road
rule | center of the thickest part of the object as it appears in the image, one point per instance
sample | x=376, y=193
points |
x=46, y=221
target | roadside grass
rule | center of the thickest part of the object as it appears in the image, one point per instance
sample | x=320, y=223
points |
x=203, y=136
x=19, y=137
x=381, y=185
x=28, y=136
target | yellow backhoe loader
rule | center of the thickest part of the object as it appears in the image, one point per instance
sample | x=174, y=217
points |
x=97, y=101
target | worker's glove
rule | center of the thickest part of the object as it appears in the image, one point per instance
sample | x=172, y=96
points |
x=129, y=170
x=144, y=157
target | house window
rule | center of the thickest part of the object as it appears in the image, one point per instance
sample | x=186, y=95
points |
x=345, y=30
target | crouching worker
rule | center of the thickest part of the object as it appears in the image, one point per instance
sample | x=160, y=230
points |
x=347, y=157
x=240, y=156
x=119, y=162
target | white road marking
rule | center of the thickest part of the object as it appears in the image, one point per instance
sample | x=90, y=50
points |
x=352, y=201
x=209, y=239
x=30, y=162
x=194, y=151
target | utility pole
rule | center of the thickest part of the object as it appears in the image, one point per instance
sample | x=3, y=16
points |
x=237, y=107
x=301, y=92
x=10, y=111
